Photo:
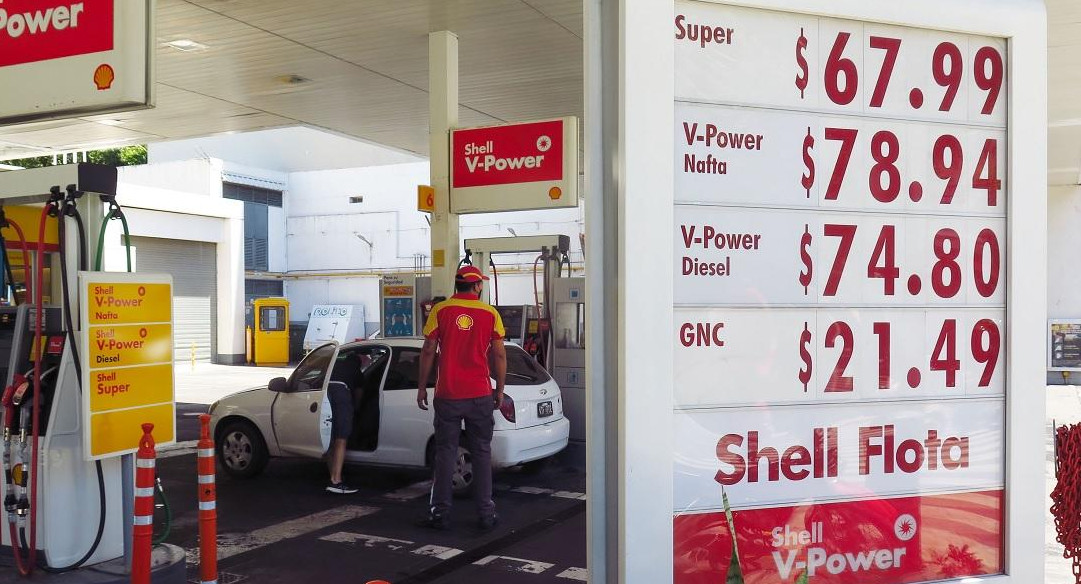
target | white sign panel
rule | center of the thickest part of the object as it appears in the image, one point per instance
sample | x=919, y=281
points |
x=63, y=58
x=840, y=260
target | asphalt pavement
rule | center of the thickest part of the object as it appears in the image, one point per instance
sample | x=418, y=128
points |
x=281, y=526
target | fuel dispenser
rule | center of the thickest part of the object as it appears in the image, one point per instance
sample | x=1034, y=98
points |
x=62, y=511
x=553, y=328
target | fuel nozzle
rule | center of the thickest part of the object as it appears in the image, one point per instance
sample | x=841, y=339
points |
x=10, y=504
x=22, y=508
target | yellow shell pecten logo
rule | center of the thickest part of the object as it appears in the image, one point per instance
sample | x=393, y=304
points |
x=104, y=76
x=464, y=322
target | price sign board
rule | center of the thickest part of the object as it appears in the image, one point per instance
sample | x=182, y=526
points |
x=841, y=269
x=127, y=360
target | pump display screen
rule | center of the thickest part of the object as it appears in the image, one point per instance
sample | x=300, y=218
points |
x=840, y=310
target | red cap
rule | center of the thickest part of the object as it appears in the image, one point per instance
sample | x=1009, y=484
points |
x=469, y=274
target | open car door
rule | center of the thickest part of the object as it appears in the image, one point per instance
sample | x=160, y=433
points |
x=301, y=412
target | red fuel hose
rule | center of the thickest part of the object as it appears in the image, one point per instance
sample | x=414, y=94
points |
x=536, y=294
x=26, y=255
x=39, y=299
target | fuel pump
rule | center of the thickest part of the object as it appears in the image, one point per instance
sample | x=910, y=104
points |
x=61, y=510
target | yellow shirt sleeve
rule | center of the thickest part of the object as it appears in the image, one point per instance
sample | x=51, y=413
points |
x=499, y=332
x=431, y=326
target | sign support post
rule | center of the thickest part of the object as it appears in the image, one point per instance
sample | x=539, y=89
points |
x=443, y=116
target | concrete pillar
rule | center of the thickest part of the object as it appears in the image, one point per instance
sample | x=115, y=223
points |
x=443, y=116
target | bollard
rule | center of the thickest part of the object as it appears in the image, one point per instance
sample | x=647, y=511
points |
x=143, y=528
x=208, y=513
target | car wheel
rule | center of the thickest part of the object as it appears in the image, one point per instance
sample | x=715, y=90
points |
x=242, y=452
x=462, y=479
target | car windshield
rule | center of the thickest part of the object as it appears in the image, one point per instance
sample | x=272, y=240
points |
x=521, y=368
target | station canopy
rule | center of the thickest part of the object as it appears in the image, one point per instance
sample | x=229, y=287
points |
x=356, y=68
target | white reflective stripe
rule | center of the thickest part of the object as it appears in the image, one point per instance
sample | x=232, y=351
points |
x=206, y=452
x=206, y=479
x=208, y=582
x=144, y=491
x=143, y=520
x=207, y=505
x=144, y=463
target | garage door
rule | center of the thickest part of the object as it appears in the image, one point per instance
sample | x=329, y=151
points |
x=193, y=265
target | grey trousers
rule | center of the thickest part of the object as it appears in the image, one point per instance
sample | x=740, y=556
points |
x=479, y=424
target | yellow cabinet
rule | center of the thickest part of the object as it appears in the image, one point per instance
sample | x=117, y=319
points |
x=270, y=335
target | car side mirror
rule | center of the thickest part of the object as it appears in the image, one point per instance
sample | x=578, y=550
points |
x=279, y=384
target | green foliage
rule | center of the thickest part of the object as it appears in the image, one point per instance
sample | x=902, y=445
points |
x=123, y=156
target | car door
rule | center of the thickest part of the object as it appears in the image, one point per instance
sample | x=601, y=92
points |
x=297, y=413
x=404, y=433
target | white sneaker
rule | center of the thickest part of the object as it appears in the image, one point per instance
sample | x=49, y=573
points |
x=340, y=489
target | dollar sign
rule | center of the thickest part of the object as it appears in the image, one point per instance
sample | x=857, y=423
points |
x=801, y=62
x=809, y=162
x=805, y=256
x=805, y=355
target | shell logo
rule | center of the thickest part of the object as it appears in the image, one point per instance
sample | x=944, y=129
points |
x=464, y=322
x=104, y=77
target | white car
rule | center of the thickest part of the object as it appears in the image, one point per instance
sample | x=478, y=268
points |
x=291, y=417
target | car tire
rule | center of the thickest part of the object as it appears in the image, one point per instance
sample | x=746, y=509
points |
x=242, y=452
x=462, y=480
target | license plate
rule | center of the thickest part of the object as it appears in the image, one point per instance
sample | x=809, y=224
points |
x=544, y=409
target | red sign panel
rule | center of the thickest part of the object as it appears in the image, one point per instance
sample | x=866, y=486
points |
x=874, y=541
x=501, y=155
x=39, y=30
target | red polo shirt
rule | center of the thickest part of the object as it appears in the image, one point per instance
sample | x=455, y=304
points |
x=465, y=328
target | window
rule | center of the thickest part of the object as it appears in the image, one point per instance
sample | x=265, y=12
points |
x=521, y=368
x=353, y=365
x=257, y=201
x=404, y=367
x=312, y=370
x=272, y=318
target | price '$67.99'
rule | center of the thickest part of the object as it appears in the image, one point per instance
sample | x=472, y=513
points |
x=841, y=76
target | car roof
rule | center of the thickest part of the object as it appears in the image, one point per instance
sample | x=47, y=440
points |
x=392, y=342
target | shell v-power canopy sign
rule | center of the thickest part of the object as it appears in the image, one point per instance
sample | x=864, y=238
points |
x=514, y=167
x=858, y=203
x=63, y=58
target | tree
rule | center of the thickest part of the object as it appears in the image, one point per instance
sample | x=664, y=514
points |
x=123, y=156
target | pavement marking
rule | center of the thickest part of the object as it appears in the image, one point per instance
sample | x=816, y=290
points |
x=515, y=564
x=438, y=552
x=369, y=541
x=580, y=574
x=532, y=490
x=570, y=495
x=411, y=492
x=232, y=544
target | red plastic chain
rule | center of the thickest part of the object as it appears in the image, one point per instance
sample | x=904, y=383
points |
x=1066, y=498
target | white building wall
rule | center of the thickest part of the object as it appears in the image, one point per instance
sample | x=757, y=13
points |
x=1063, y=257
x=200, y=176
x=330, y=239
x=154, y=211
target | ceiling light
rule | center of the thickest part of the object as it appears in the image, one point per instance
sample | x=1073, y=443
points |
x=186, y=45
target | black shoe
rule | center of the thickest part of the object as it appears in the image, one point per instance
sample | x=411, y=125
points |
x=489, y=522
x=433, y=521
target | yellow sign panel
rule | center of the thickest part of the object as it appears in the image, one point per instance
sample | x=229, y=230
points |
x=425, y=198
x=438, y=258
x=120, y=430
x=125, y=345
x=114, y=389
x=116, y=303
